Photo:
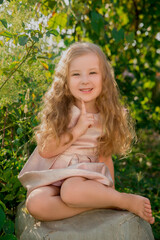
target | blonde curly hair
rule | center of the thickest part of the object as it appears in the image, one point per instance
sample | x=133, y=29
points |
x=118, y=131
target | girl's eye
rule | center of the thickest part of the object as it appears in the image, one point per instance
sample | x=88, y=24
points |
x=75, y=74
x=92, y=72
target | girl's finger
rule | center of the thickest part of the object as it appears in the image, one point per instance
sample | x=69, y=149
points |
x=91, y=123
x=90, y=115
x=83, y=109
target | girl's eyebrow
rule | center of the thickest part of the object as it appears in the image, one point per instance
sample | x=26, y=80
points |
x=78, y=70
x=74, y=70
x=93, y=68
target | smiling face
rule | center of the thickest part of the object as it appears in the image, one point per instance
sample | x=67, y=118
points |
x=85, y=80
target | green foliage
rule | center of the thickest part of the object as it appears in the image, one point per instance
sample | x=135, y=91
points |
x=6, y=226
x=139, y=172
x=129, y=42
x=30, y=47
x=4, y=22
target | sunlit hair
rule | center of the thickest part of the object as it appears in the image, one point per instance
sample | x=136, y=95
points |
x=117, y=127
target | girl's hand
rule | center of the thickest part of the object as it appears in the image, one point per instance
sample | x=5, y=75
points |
x=85, y=121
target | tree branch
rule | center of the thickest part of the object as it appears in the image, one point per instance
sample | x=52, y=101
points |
x=4, y=129
x=19, y=65
x=137, y=15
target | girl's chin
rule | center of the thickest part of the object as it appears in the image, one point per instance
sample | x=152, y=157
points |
x=89, y=101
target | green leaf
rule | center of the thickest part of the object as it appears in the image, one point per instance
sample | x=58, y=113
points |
x=6, y=34
x=40, y=27
x=13, y=65
x=23, y=39
x=8, y=226
x=9, y=197
x=114, y=33
x=97, y=22
x=4, y=22
x=58, y=20
x=121, y=34
x=118, y=35
x=48, y=34
x=23, y=25
x=122, y=15
x=54, y=32
x=149, y=84
x=1, y=1
x=8, y=237
x=19, y=131
x=31, y=60
x=157, y=109
x=1, y=203
x=130, y=37
x=1, y=43
x=35, y=39
x=40, y=35
x=45, y=65
x=2, y=218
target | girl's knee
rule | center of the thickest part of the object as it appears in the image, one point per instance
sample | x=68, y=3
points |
x=33, y=203
x=71, y=190
x=36, y=200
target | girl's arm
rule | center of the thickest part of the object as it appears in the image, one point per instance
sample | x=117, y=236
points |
x=51, y=148
x=109, y=162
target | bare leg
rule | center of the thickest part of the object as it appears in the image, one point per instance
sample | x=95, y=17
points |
x=45, y=204
x=80, y=192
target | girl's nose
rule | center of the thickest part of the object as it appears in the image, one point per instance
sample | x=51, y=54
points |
x=84, y=79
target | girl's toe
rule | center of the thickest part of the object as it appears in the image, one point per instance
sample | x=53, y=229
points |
x=148, y=215
x=148, y=210
x=147, y=203
x=147, y=206
x=152, y=220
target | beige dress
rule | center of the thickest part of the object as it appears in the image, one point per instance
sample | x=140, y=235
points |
x=80, y=159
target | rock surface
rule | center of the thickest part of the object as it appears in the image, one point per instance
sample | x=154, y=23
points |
x=99, y=224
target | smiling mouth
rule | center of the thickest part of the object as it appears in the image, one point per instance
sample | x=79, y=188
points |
x=86, y=90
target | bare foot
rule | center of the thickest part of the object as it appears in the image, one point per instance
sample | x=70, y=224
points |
x=140, y=206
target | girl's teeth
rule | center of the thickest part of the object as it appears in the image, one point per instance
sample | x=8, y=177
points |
x=86, y=90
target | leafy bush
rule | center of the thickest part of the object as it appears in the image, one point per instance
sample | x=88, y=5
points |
x=6, y=226
x=139, y=172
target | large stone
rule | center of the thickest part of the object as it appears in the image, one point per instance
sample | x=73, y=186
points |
x=99, y=224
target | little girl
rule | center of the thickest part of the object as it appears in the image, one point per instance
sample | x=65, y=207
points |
x=83, y=123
